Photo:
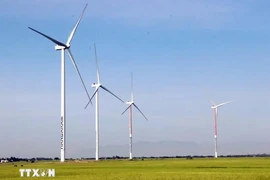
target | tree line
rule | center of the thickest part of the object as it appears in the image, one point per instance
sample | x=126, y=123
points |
x=16, y=159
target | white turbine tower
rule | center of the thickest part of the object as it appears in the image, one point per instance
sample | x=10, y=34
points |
x=61, y=46
x=130, y=103
x=96, y=92
x=215, y=107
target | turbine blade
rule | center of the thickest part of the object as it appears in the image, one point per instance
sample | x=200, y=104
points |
x=98, y=79
x=126, y=109
x=87, y=104
x=224, y=103
x=91, y=98
x=212, y=102
x=111, y=93
x=78, y=72
x=132, y=95
x=75, y=27
x=48, y=37
x=140, y=111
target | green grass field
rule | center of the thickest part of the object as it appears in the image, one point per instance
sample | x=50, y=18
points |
x=208, y=168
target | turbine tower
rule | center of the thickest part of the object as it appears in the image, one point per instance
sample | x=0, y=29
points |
x=62, y=47
x=130, y=103
x=96, y=92
x=215, y=107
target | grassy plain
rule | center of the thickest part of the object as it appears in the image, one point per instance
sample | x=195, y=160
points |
x=149, y=169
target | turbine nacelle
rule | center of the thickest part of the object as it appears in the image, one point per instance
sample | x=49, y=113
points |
x=129, y=102
x=214, y=106
x=58, y=47
x=94, y=85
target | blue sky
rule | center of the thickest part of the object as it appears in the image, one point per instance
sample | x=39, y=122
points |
x=182, y=54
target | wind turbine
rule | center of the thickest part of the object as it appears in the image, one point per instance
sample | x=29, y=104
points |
x=215, y=107
x=96, y=92
x=61, y=46
x=130, y=103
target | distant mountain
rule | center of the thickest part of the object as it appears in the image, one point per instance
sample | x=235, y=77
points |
x=141, y=148
x=165, y=148
x=174, y=148
x=145, y=148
